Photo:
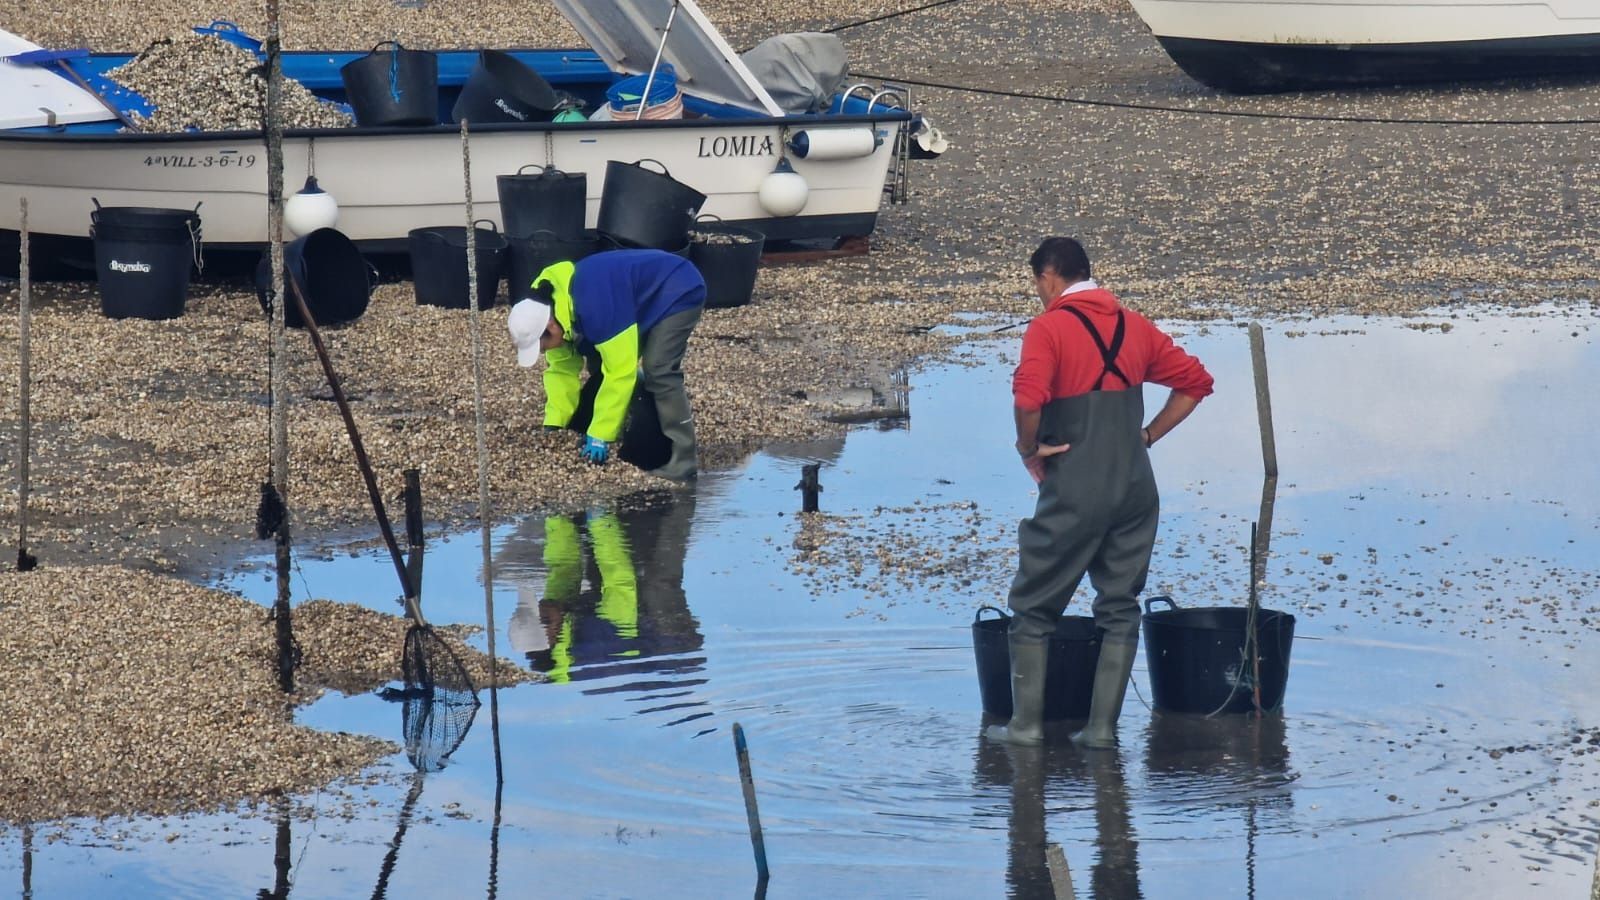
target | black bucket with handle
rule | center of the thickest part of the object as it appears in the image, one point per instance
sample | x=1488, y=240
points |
x=143, y=258
x=727, y=257
x=393, y=87
x=334, y=278
x=1198, y=661
x=439, y=264
x=502, y=88
x=528, y=255
x=551, y=200
x=640, y=207
x=1069, y=665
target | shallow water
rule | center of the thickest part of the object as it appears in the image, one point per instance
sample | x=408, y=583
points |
x=1434, y=532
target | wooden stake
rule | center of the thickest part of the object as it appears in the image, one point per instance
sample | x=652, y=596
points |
x=1269, y=453
x=25, y=560
x=1060, y=875
x=757, y=841
x=414, y=535
x=272, y=127
x=1594, y=889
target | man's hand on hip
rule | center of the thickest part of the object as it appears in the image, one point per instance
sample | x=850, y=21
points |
x=1034, y=462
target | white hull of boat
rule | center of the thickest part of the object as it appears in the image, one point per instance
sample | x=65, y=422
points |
x=1291, y=22
x=1264, y=45
x=387, y=184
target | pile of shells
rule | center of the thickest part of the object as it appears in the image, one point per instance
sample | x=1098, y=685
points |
x=130, y=692
x=205, y=83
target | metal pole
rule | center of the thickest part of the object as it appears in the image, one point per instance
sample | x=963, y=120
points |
x=272, y=128
x=482, y=440
x=751, y=812
x=1269, y=453
x=414, y=535
x=25, y=560
x=644, y=100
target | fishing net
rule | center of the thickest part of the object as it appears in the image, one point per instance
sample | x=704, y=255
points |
x=439, y=701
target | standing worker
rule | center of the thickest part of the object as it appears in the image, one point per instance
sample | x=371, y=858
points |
x=1079, y=412
x=629, y=311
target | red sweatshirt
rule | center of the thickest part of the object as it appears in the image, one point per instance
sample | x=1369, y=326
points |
x=1059, y=359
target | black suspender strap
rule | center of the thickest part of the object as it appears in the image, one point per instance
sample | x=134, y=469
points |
x=1108, y=355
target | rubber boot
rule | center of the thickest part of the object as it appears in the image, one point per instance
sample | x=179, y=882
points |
x=677, y=425
x=1029, y=660
x=1110, y=686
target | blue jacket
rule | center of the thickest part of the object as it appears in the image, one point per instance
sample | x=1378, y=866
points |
x=607, y=303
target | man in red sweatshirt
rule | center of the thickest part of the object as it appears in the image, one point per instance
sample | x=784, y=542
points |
x=1079, y=408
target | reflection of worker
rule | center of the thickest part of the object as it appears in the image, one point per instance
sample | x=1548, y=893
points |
x=1079, y=417
x=633, y=311
x=623, y=599
x=1026, y=770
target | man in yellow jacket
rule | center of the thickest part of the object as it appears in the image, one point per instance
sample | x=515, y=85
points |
x=633, y=310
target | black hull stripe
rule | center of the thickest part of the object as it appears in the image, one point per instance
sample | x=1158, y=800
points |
x=1244, y=67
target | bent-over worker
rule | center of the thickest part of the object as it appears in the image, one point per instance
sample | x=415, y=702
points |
x=632, y=311
x=1079, y=411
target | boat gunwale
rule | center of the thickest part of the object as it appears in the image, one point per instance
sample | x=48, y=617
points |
x=148, y=137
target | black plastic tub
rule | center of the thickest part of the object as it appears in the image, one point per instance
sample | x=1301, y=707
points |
x=1070, y=663
x=1198, y=663
x=502, y=88
x=552, y=200
x=333, y=276
x=439, y=264
x=727, y=257
x=143, y=269
x=393, y=87
x=640, y=207
x=528, y=255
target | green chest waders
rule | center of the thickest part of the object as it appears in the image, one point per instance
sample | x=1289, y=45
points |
x=1097, y=513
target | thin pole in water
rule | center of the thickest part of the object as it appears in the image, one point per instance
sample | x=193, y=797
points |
x=1594, y=889
x=809, y=487
x=1060, y=875
x=1269, y=452
x=751, y=812
x=25, y=560
x=481, y=437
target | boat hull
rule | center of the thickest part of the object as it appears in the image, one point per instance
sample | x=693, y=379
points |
x=388, y=182
x=1270, y=45
x=1250, y=68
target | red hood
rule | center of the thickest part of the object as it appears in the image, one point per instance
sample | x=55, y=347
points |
x=1093, y=300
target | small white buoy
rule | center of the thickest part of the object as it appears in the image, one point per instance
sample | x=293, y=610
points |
x=784, y=191
x=310, y=208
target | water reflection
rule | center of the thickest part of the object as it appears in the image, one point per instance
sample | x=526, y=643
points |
x=281, y=856
x=601, y=595
x=1029, y=772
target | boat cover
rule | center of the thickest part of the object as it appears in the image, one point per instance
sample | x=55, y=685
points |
x=802, y=71
x=626, y=34
x=31, y=94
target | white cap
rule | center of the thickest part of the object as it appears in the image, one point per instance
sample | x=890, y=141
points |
x=527, y=323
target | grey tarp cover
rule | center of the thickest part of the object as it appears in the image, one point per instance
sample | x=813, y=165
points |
x=802, y=71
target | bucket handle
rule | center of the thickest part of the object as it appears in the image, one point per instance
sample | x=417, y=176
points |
x=543, y=170
x=978, y=616
x=396, y=44
x=640, y=163
x=1150, y=601
x=490, y=222
x=712, y=215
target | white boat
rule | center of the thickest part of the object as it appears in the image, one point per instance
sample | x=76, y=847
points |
x=65, y=151
x=1271, y=45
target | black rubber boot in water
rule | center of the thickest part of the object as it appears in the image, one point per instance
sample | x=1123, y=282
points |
x=1110, y=686
x=1028, y=664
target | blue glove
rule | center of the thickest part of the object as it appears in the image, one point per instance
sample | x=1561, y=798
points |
x=596, y=450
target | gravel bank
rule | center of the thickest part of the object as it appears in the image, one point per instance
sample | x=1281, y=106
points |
x=129, y=692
